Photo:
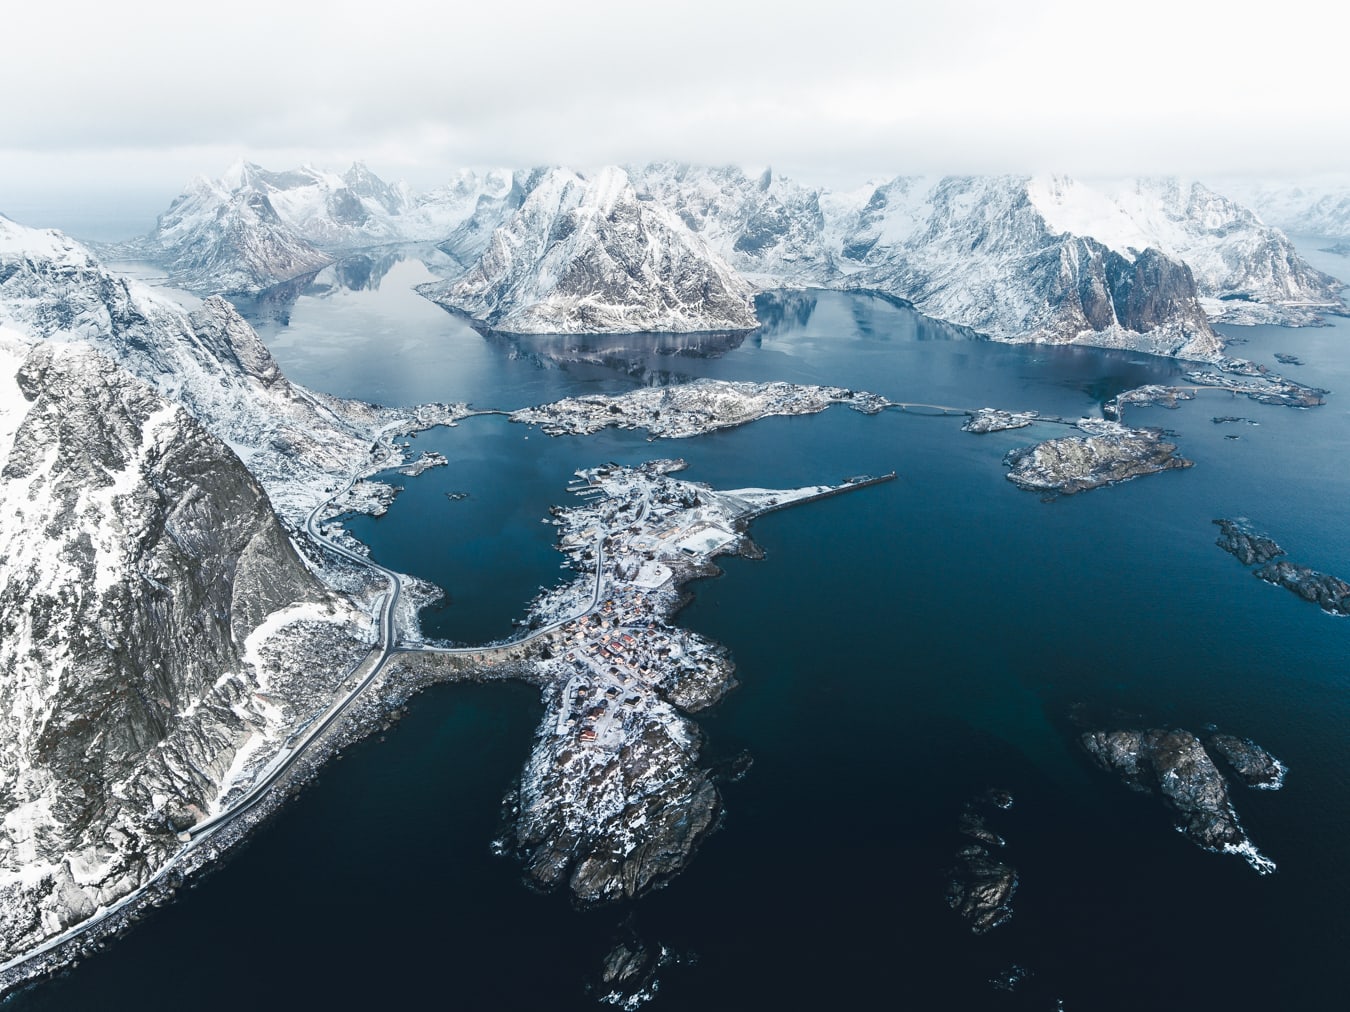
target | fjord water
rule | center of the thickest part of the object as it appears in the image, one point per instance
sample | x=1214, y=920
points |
x=899, y=649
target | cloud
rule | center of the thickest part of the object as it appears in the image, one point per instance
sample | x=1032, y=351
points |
x=131, y=95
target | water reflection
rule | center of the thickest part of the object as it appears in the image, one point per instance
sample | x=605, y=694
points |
x=644, y=357
x=784, y=310
x=357, y=272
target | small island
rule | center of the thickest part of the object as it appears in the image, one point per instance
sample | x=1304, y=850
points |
x=1172, y=763
x=1109, y=454
x=691, y=409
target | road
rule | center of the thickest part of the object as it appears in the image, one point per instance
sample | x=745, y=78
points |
x=289, y=754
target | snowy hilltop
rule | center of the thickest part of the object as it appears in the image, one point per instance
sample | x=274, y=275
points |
x=586, y=255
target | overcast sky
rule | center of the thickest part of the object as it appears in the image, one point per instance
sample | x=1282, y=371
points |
x=136, y=98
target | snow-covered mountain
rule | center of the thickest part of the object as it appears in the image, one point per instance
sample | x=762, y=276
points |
x=587, y=255
x=209, y=361
x=252, y=228
x=770, y=228
x=928, y=241
x=978, y=252
x=1245, y=271
x=161, y=635
x=1016, y=257
x=1319, y=207
x=215, y=239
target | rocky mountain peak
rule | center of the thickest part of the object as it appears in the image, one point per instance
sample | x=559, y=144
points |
x=584, y=253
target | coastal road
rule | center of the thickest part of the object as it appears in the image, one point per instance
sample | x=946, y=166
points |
x=290, y=753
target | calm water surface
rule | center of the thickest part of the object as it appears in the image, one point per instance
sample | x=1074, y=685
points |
x=899, y=650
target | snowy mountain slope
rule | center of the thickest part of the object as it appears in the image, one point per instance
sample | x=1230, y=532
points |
x=209, y=361
x=768, y=227
x=1245, y=271
x=160, y=634
x=215, y=239
x=976, y=251
x=253, y=228
x=781, y=233
x=494, y=207
x=587, y=255
x=1317, y=207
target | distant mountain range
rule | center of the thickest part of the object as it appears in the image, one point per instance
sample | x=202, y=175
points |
x=1146, y=264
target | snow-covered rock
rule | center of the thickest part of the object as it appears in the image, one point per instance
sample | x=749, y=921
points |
x=1245, y=271
x=978, y=252
x=587, y=255
x=215, y=238
x=768, y=227
x=161, y=636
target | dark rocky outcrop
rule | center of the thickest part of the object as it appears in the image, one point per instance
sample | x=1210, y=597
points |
x=1330, y=593
x=1251, y=549
x=1173, y=764
x=980, y=887
x=1257, y=767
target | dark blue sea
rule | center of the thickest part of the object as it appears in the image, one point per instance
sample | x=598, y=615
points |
x=899, y=650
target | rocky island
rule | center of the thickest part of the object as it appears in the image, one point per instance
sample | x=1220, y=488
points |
x=1330, y=593
x=1257, y=767
x=980, y=887
x=1237, y=538
x=1111, y=453
x=994, y=420
x=1172, y=763
x=691, y=409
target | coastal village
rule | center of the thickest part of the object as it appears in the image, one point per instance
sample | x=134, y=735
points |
x=613, y=794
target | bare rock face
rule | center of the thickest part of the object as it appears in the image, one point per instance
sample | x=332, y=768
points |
x=1074, y=464
x=587, y=256
x=1173, y=764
